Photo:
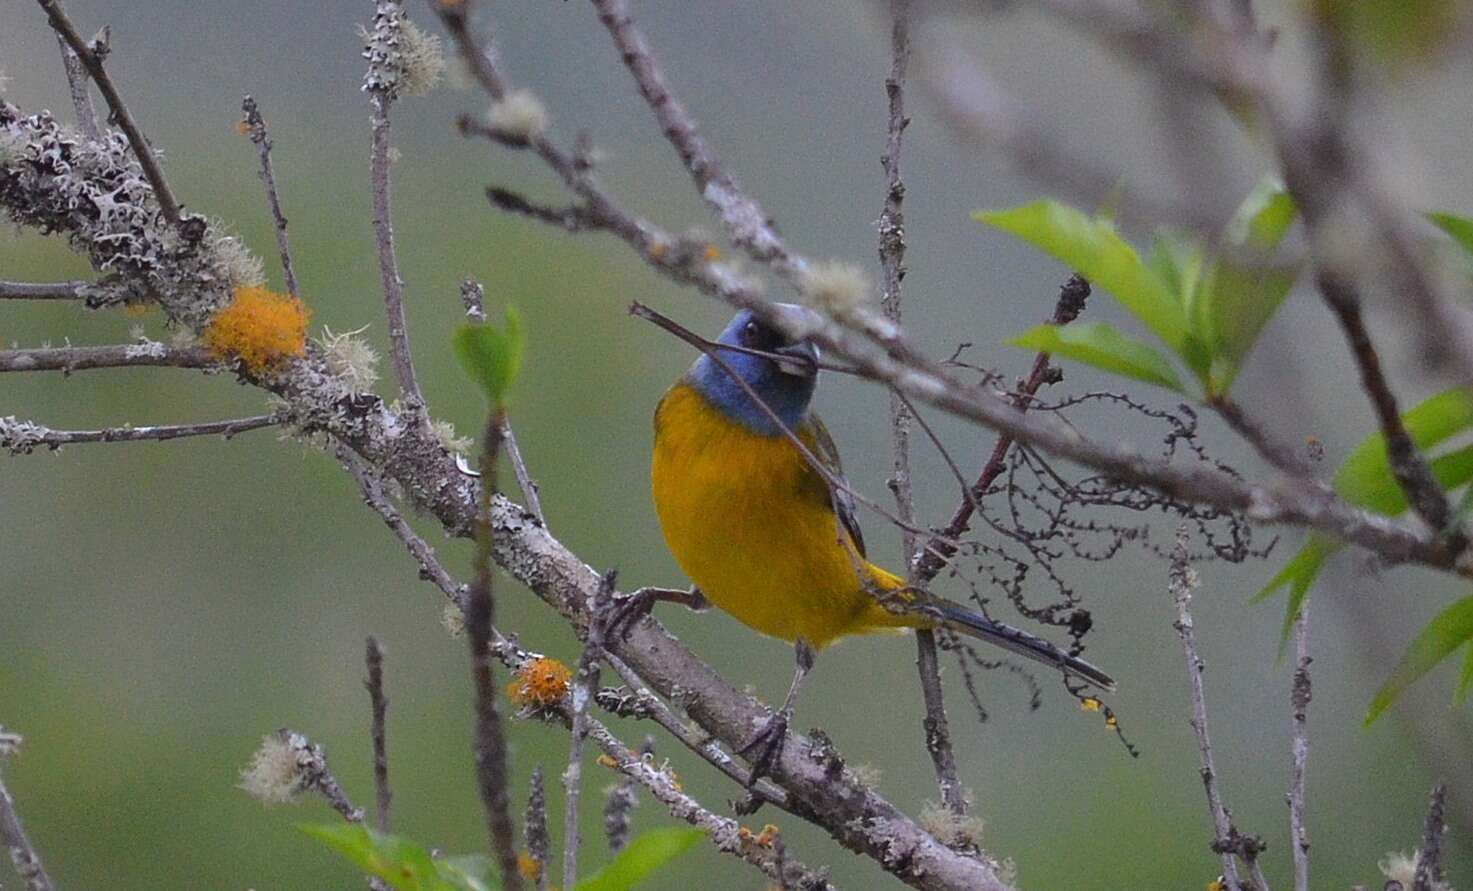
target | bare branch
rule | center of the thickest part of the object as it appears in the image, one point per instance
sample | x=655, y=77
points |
x=13, y=834
x=23, y=437
x=1407, y=464
x=256, y=127
x=379, y=704
x=91, y=58
x=539, y=839
x=1299, y=698
x=76, y=78
x=745, y=220
x=381, y=85
x=430, y=567
x=727, y=834
x=1276, y=452
x=74, y=290
x=125, y=355
x=1429, y=874
x=585, y=682
x=1227, y=841
x=519, y=468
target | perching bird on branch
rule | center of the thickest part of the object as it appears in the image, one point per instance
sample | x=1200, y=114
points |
x=764, y=535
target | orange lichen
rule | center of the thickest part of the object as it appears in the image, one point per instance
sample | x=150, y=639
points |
x=530, y=867
x=1089, y=704
x=607, y=761
x=540, y=683
x=711, y=253
x=243, y=128
x=260, y=328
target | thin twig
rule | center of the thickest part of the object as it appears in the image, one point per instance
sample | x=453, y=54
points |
x=380, y=83
x=379, y=703
x=745, y=220
x=1429, y=874
x=1275, y=451
x=141, y=149
x=490, y=737
x=1299, y=699
x=13, y=834
x=124, y=355
x=519, y=468
x=76, y=78
x=1072, y=297
x=727, y=834
x=620, y=800
x=892, y=262
x=256, y=127
x=23, y=437
x=1227, y=841
x=539, y=838
x=374, y=496
x=585, y=681
x=1407, y=464
x=74, y=290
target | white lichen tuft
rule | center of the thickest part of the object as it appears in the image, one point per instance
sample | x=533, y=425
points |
x=183, y=339
x=10, y=743
x=455, y=445
x=279, y=771
x=835, y=286
x=233, y=261
x=351, y=358
x=519, y=115
x=1402, y=868
x=421, y=60
x=453, y=620
x=394, y=155
x=864, y=775
x=21, y=437
x=951, y=829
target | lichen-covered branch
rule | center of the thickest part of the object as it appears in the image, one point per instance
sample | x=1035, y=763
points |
x=23, y=437
x=125, y=355
x=12, y=834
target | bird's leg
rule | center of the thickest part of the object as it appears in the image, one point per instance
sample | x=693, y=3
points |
x=767, y=745
x=632, y=607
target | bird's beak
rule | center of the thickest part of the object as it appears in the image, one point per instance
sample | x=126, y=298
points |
x=804, y=361
x=798, y=320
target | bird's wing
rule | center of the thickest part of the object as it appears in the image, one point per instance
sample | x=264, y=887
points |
x=816, y=436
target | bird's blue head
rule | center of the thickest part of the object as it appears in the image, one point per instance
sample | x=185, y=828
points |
x=785, y=386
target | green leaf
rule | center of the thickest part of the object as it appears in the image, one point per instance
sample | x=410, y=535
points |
x=1178, y=263
x=1092, y=247
x=492, y=356
x=1465, y=678
x=1242, y=288
x=1100, y=345
x=1451, y=629
x=1263, y=218
x=647, y=853
x=403, y=863
x=468, y=872
x=1364, y=477
x=1460, y=229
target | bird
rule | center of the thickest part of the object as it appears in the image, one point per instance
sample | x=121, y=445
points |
x=770, y=538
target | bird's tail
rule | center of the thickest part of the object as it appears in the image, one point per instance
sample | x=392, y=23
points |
x=973, y=624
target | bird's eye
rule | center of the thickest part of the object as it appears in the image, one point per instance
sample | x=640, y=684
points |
x=751, y=333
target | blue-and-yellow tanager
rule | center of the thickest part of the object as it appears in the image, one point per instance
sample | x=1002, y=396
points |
x=759, y=530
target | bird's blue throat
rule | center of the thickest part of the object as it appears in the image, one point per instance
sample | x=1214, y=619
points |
x=786, y=394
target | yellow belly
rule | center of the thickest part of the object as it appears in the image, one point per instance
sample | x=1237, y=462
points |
x=741, y=515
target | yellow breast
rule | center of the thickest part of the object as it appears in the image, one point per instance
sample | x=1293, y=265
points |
x=749, y=521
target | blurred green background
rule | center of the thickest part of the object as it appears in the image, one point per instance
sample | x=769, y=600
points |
x=162, y=606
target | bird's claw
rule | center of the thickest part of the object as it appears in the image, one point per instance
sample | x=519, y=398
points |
x=766, y=746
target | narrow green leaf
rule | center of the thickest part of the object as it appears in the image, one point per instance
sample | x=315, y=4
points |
x=1301, y=570
x=1460, y=229
x=647, y=853
x=1465, y=678
x=1092, y=247
x=403, y=863
x=1364, y=477
x=1104, y=347
x=1451, y=629
x=1178, y=263
x=492, y=356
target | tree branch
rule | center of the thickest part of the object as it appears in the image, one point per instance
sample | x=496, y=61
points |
x=124, y=355
x=91, y=58
x=1299, y=698
x=74, y=290
x=379, y=706
x=13, y=834
x=23, y=437
x=256, y=127
x=76, y=78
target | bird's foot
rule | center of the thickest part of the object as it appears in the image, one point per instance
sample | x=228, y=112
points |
x=627, y=611
x=763, y=749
